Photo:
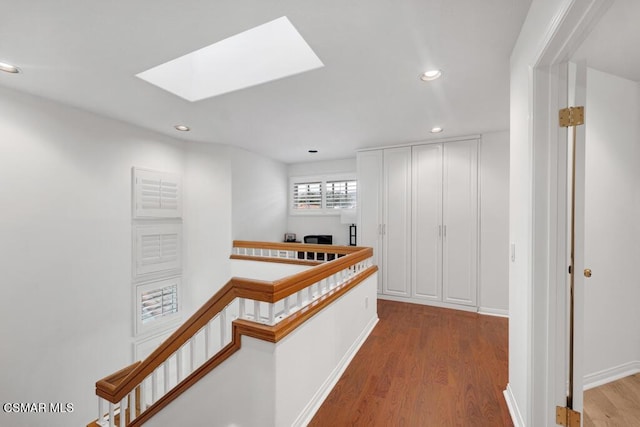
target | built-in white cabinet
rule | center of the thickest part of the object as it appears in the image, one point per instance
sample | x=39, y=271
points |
x=418, y=209
x=396, y=225
x=370, y=167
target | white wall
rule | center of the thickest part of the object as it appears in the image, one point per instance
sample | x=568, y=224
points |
x=207, y=221
x=612, y=251
x=259, y=197
x=281, y=384
x=494, y=220
x=320, y=224
x=65, y=247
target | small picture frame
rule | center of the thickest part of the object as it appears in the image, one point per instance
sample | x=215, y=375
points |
x=289, y=237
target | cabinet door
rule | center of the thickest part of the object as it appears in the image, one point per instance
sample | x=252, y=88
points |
x=426, y=271
x=397, y=221
x=370, y=205
x=460, y=222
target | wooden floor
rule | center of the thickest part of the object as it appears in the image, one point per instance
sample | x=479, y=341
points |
x=616, y=404
x=424, y=366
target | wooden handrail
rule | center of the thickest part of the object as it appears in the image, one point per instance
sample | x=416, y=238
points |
x=118, y=385
x=297, y=247
x=255, y=330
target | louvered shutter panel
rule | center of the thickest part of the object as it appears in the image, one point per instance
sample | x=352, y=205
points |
x=307, y=195
x=158, y=303
x=158, y=248
x=341, y=194
x=156, y=194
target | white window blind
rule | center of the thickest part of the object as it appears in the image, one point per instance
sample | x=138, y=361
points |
x=341, y=194
x=323, y=195
x=157, y=303
x=307, y=195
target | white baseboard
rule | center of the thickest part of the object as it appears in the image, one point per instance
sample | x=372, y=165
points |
x=498, y=312
x=473, y=309
x=318, y=398
x=516, y=416
x=612, y=374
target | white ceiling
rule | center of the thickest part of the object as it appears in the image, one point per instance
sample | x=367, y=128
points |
x=86, y=53
x=612, y=45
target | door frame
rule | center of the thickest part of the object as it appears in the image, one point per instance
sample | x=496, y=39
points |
x=548, y=92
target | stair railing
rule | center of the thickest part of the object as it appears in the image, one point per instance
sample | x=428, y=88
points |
x=267, y=310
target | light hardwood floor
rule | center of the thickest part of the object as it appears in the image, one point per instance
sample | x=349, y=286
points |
x=616, y=404
x=424, y=367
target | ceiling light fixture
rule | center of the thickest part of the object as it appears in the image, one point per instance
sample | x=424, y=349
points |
x=313, y=151
x=436, y=129
x=8, y=68
x=182, y=128
x=430, y=75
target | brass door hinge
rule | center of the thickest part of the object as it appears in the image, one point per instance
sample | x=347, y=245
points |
x=567, y=417
x=571, y=116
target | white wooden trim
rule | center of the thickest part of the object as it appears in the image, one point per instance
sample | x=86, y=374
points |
x=611, y=374
x=512, y=404
x=318, y=398
x=440, y=304
x=498, y=312
x=545, y=314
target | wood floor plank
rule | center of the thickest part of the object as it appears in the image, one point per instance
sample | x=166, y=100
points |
x=424, y=366
x=616, y=404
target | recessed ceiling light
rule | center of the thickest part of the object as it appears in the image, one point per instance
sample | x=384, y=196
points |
x=182, y=128
x=8, y=68
x=436, y=129
x=427, y=76
x=313, y=151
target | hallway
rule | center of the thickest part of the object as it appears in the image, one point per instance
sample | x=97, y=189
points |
x=424, y=366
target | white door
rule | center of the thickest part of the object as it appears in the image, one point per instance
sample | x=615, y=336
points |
x=460, y=222
x=426, y=271
x=396, y=227
x=370, y=172
x=577, y=80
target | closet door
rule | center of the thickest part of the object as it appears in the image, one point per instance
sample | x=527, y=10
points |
x=396, y=228
x=370, y=171
x=426, y=271
x=460, y=222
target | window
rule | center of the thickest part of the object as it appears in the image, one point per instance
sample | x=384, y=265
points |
x=323, y=195
x=157, y=304
x=341, y=194
x=307, y=195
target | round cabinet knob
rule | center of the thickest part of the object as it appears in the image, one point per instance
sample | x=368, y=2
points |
x=587, y=272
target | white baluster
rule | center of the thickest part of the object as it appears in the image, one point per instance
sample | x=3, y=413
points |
x=207, y=339
x=223, y=327
x=242, y=308
x=123, y=411
x=310, y=293
x=132, y=405
x=287, y=308
x=101, y=420
x=192, y=353
x=300, y=300
x=256, y=311
x=271, y=315
x=154, y=386
x=165, y=365
x=112, y=418
x=143, y=395
x=179, y=364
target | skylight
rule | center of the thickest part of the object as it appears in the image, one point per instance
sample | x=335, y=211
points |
x=262, y=54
